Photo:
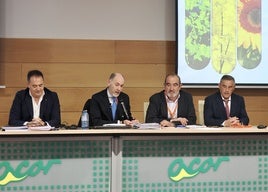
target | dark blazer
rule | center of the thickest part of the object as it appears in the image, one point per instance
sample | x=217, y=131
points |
x=101, y=110
x=22, y=108
x=157, y=109
x=214, y=110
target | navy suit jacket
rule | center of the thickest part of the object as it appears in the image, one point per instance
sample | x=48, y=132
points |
x=214, y=110
x=101, y=110
x=22, y=108
x=157, y=109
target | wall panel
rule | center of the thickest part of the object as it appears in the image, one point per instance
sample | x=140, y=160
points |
x=76, y=69
x=57, y=50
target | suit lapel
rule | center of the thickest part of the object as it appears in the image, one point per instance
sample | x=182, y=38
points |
x=29, y=105
x=107, y=105
x=221, y=106
x=43, y=106
x=163, y=106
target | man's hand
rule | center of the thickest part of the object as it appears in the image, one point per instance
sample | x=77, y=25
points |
x=166, y=123
x=182, y=120
x=128, y=122
x=36, y=122
x=231, y=121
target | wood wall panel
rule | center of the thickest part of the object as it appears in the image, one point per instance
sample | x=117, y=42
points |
x=76, y=69
x=3, y=118
x=56, y=50
x=87, y=75
x=142, y=52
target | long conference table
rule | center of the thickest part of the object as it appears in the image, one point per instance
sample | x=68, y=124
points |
x=132, y=160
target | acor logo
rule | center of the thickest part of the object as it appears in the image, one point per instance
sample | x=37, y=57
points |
x=24, y=170
x=178, y=170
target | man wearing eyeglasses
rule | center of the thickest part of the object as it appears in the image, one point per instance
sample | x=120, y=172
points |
x=172, y=106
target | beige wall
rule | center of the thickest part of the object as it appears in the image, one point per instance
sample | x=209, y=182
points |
x=76, y=69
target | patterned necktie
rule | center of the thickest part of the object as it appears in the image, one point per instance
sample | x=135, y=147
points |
x=227, y=107
x=114, y=106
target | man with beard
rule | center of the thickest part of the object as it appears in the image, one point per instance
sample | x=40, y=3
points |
x=224, y=108
x=172, y=106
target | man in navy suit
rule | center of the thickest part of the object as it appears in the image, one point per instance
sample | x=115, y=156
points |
x=224, y=108
x=36, y=105
x=101, y=107
x=172, y=106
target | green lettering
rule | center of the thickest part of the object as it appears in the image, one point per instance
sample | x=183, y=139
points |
x=7, y=168
x=219, y=161
x=206, y=165
x=178, y=170
x=191, y=168
x=35, y=168
x=49, y=165
x=175, y=167
x=19, y=172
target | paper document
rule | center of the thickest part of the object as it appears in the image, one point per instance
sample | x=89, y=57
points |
x=41, y=128
x=25, y=128
x=196, y=126
x=15, y=128
x=147, y=126
x=203, y=127
x=114, y=125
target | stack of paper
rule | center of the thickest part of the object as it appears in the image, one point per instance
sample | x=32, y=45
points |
x=147, y=126
x=15, y=128
x=41, y=128
x=25, y=128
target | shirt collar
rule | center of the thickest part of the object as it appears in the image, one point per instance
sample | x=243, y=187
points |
x=41, y=97
x=229, y=99
x=169, y=101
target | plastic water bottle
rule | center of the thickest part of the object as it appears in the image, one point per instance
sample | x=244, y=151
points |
x=84, y=120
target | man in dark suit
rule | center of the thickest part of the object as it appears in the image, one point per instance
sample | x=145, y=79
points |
x=224, y=108
x=111, y=99
x=171, y=106
x=36, y=105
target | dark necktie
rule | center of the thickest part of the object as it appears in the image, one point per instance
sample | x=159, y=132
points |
x=114, y=106
x=227, y=107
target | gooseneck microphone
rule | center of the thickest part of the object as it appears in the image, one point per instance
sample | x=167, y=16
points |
x=124, y=108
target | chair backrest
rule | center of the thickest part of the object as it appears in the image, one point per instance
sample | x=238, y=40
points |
x=201, y=111
x=145, y=107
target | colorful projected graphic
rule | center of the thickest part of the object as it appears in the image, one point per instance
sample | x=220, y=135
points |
x=197, y=33
x=249, y=33
x=233, y=33
x=216, y=37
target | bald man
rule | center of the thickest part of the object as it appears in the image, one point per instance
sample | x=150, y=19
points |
x=111, y=104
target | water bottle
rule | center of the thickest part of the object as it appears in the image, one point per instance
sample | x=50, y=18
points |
x=84, y=119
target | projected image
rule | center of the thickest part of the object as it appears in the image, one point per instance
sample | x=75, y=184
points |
x=197, y=33
x=249, y=33
x=220, y=37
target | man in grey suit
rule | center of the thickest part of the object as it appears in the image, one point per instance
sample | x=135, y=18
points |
x=225, y=108
x=171, y=106
x=36, y=105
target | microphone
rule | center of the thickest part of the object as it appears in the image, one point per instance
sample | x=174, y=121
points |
x=124, y=108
